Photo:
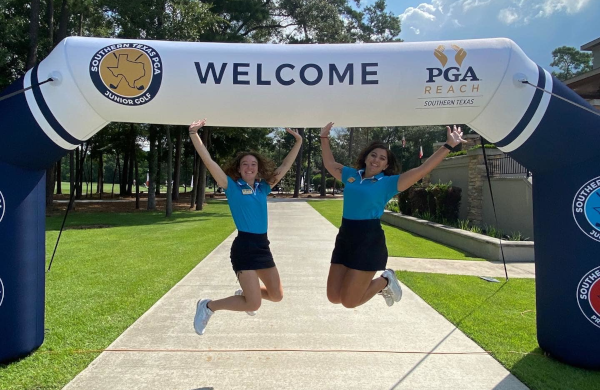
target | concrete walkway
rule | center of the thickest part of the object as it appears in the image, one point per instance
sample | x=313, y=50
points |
x=303, y=342
x=462, y=267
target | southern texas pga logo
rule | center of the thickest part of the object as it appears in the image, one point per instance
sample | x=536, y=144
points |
x=588, y=296
x=586, y=208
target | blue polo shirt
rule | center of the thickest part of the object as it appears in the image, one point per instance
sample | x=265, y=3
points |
x=248, y=205
x=365, y=198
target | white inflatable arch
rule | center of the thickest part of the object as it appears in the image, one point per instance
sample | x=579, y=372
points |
x=489, y=84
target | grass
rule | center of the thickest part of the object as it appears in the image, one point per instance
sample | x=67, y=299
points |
x=400, y=243
x=103, y=280
x=501, y=318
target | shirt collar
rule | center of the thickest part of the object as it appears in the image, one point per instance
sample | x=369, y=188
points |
x=242, y=183
x=379, y=176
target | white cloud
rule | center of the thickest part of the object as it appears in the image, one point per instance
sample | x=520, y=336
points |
x=548, y=7
x=421, y=12
x=440, y=15
x=508, y=15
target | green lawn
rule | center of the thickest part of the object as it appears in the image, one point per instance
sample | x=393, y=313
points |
x=400, y=243
x=103, y=280
x=500, y=317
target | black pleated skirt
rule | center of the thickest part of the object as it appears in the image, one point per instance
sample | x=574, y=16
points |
x=360, y=245
x=251, y=251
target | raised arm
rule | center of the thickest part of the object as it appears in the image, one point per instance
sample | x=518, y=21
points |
x=214, y=169
x=289, y=159
x=408, y=178
x=334, y=168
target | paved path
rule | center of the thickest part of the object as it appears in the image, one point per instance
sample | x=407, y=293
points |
x=303, y=342
x=461, y=267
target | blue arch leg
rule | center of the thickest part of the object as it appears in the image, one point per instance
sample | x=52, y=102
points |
x=22, y=246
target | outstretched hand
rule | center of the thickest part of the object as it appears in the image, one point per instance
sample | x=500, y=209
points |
x=194, y=127
x=325, y=130
x=454, y=136
x=294, y=133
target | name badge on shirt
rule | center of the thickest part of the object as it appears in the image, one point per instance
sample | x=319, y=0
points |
x=247, y=191
x=351, y=180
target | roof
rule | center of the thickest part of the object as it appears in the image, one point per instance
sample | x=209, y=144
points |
x=588, y=46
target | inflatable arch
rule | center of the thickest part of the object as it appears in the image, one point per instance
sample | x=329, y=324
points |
x=489, y=84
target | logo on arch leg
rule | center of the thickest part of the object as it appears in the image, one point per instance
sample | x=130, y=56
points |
x=588, y=296
x=127, y=73
x=586, y=209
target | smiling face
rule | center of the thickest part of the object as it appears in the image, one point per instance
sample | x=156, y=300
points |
x=248, y=168
x=376, y=162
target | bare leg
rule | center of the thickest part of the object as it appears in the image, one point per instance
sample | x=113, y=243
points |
x=272, y=290
x=251, y=299
x=335, y=280
x=359, y=287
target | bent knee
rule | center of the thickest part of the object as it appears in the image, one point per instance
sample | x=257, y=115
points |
x=276, y=296
x=334, y=297
x=253, y=305
x=350, y=303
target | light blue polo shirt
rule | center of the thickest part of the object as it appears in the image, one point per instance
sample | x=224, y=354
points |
x=365, y=198
x=248, y=205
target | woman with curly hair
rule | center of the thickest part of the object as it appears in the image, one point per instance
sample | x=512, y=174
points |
x=247, y=180
x=360, y=250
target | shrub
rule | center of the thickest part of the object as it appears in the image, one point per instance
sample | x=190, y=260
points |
x=316, y=181
x=442, y=201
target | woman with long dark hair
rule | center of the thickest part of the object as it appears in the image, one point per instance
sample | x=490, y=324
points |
x=360, y=249
x=247, y=180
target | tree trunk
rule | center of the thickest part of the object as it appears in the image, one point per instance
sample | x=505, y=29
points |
x=177, y=173
x=64, y=21
x=308, y=178
x=131, y=160
x=194, y=180
x=124, y=171
x=201, y=192
x=49, y=187
x=59, y=177
x=137, y=182
x=159, y=162
x=112, y=191
x=34, y=27
x=101, y=174
x=78, y=172
x=298, y=168
x=72, y=176
x=323, y=182
x=152, y=169
x=169, y=171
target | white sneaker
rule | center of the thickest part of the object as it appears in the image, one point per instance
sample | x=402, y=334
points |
x=203, y=314
x=393, y=288
x=385, y=293
x=241, y=292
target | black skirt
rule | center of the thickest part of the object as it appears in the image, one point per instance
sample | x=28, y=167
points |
x=360, y=245
x=251, y=251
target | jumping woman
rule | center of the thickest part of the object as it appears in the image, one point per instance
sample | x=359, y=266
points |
x=247, y=181
x=360, y=250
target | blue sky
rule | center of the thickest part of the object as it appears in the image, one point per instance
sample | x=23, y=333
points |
x=537, y=26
